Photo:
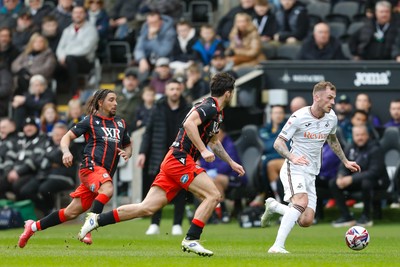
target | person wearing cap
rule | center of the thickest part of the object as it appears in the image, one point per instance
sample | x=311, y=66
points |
x=128, y=97
x=22, y=162
x=219, y=63
x=162, y=73
x=343, y=109
x=24, y=30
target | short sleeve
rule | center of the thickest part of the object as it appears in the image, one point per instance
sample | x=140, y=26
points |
x=289, y=128
x=81, y=127
x=206, y=111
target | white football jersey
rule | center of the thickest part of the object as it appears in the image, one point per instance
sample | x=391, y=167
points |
x=308, y=134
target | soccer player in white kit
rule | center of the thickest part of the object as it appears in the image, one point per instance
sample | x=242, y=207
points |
x=308, y=129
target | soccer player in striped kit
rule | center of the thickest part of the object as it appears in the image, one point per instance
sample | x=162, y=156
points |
x=106, y=139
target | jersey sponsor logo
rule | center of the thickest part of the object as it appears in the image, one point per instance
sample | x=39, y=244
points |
x=184, y=179
x=320, y=136
x=111, y=134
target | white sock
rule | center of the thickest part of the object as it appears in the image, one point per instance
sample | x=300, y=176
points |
x=33, y=227
x=288, y=221
x=279, y=208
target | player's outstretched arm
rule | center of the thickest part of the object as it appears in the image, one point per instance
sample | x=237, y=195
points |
x=337, y=149
x=220, y=151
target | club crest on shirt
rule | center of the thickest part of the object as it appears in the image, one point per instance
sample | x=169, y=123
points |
x=120, y=124
x=184, y=178
x=92, y=187
x=105, y=175
x=97, y=122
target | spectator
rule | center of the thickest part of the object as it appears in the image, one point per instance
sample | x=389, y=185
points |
x=22, y=163
x=206, y=45
x=297, y=103
x=128, y=98
x=245, y=43
x=373, y=176
x=156, y=40
x=122, y=18
x=8, y=52
x=144, y=110
x=196, y=86
x=37, y=58
x=63, y=13
x=162, y=73
x=38, y=10
x=271, y=160
x=172, y=8
x=359, y=118
x=225, y=24
x=219, y=63
x=321, y=45
x=9, y=13
x=292, y=22
x=264, y=20
x=394, y=110
x=182, y=53
x=363, y=102
x=77, y=48
x=6, y=89
x=32, y=102
x=370, y=7
x=75, y=112
x=165, y=120
x=222, y=174
x=98, y=17
x=48, y=118
x=329, y=169
x=23, y=31
x=54, y=176
x=343, y=109
x=376, y=39
x=51, y=31
x=8, y=139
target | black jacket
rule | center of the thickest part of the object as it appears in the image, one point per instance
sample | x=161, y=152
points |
x=310, y=51
x=364, y=44
x=155, y=144
x=297, y=19
x=371, y=161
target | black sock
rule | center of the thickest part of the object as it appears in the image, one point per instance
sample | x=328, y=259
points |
x=50, y=220
x=194, y=232
x=223, y=206
x=97, y=207
x=106, y=218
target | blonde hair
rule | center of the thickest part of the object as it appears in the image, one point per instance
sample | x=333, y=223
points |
x=29, y=45
x=43, y=117
x=322, y=86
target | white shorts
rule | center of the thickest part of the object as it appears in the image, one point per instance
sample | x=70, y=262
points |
x=296, y=181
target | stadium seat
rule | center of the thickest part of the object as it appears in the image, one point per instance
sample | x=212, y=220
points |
x=250, y=149
x=319, y=9
x=347, y=8
x=337, y=29
x=200, y=12
x=119, y=53
x=287, y=51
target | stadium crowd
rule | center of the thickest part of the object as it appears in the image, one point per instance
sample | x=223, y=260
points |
x=48, y=47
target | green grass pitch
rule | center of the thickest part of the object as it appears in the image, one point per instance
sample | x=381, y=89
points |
x=125, y=244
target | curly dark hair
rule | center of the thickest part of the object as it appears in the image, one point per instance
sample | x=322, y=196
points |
x=220, y=83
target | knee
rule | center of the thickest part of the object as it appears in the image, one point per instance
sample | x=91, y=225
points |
x=306, y=219
x=107, y=189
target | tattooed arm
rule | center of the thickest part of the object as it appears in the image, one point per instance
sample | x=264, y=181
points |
x=337, y=149
x=220, y=151
x=281, y=147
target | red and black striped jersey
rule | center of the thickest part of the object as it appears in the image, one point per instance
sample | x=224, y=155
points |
x=211, y=117
x=103, y=136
